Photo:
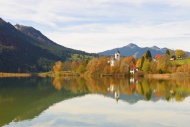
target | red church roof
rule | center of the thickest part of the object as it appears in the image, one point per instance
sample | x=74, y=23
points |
x=132, y=66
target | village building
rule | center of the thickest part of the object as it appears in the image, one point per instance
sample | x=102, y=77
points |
x=173, y=57
x=133, y=68
x=157, y=57
x=114, y=60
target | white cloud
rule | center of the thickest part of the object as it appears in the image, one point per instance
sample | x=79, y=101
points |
x=99, y=37
x=97, y=25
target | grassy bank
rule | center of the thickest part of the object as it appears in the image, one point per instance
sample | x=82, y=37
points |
x=167, y=76
x=15, y=74
x=44, y=74
x=53, y=74
x=182, y=62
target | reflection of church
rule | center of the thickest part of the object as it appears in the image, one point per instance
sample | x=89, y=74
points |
x=115, y=91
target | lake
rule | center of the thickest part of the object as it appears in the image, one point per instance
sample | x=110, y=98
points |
x=103, y=102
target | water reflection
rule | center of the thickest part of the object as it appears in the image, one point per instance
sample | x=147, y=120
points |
x=25, y=98
x=149, y=89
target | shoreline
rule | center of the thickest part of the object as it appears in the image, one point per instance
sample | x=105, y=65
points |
x=167, y=76
x=43, y=74
x=4, y=74
x=52, y=74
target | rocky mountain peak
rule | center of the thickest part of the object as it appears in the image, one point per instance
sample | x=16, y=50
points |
x=131, y=45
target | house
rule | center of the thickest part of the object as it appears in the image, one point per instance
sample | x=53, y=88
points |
x=114, y=60
x=173, y=57
x=157, y=57
x=133, y=68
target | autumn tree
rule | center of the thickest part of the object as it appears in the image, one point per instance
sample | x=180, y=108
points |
x=153, y=67
x=81, y=69
x=58, y=66
x=91, y=67
x=130, y=59
x=107, y=69
x=102, y=63
x=67, y=66
x=180, y=53
x=138, y=63
x=163, y=65
x=74, y=66
x=124, y=67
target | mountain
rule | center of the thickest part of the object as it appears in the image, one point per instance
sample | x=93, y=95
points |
x=25, y=49
x=136, y=51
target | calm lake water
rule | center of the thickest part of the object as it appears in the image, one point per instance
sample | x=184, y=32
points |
x=104, y=102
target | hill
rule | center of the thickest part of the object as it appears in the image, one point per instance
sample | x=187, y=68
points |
x=136, y=51
x=25, y=49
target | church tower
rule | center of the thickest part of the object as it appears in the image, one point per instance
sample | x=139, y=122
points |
x=117, y=55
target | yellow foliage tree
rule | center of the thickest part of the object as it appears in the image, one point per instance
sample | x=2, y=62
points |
x=130, y=59
x=74, y=66
x=58, y=66
x=180, y=53
x=138, y=63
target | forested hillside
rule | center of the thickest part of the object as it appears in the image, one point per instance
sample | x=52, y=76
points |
x=25, y=49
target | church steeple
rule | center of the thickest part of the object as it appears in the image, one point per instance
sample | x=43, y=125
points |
x=117, y=51
x=117, y=55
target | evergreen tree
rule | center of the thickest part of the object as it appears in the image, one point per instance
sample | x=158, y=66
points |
x=168, y=52
x=148, y=55
x=142, y=62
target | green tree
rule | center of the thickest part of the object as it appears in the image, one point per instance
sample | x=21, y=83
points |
x=180, y=53
x=146, y=66
x=163, y=65
x=168, y=53
x=81, y=69
x=148, y=55
x=142, y=62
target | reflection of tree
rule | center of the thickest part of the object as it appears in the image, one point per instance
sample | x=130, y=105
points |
x=57, y=83
x=168, y=89
x=26, y=98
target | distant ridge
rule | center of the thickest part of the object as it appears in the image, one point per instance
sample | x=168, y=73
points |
x=136, y=51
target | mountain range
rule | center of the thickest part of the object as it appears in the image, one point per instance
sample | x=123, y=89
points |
x=136, y=51
x=25, y=49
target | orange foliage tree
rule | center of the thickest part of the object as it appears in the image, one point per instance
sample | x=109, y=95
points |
x=58, y=66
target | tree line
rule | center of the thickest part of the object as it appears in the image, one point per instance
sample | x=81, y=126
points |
x=146, y=64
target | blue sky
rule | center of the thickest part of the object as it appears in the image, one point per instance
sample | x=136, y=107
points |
x=98, y=25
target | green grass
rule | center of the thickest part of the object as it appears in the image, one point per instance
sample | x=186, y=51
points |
x=182, y=62
x=80, y=57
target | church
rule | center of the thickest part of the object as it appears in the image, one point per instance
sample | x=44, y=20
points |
x=114, y=60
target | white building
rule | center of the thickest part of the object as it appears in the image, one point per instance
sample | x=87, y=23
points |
x=115, y=60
